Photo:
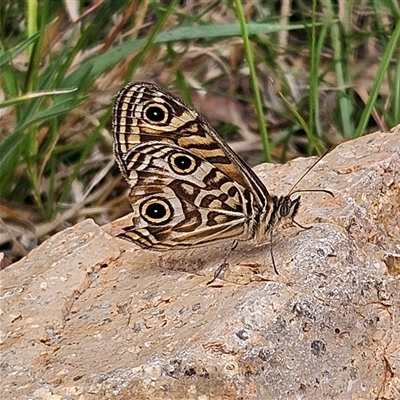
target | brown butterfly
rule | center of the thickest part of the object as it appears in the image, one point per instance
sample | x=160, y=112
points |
x=188, y=188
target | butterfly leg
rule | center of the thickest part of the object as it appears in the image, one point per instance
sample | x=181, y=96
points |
x=217, y=272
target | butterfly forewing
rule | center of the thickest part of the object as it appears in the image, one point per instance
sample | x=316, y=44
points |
x=144, y=112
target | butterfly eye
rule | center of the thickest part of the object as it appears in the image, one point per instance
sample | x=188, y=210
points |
x=156, y=113
x=183, y=164
x=156, y=211
x=288, y=207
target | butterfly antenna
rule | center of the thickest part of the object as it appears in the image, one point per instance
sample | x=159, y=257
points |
x=292, y=191
x=309, y=190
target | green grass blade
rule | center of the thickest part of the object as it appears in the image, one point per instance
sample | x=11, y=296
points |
x=95, y=66
x=345, y=104
x=30, y=96
x=382, y=70
x=153, y=36
x=254, y=81
x=6, y=56
x=317, y=43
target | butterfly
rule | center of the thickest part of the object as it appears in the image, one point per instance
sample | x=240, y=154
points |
x=188, y=188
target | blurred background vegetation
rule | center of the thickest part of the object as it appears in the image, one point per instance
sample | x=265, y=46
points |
x=317, y=73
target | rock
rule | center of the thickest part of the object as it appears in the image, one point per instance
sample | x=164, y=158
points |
x=90, y=316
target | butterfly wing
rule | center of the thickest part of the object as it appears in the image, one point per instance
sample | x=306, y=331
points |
x=180, y=199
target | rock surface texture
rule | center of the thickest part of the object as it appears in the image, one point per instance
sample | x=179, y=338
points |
x=90, y=316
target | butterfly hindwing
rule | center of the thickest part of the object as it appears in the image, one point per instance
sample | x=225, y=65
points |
x=177, y=197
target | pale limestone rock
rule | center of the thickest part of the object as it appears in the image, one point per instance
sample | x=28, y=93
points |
x=89, y=316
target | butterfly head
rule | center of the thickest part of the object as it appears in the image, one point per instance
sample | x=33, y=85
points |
x=285, y=207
